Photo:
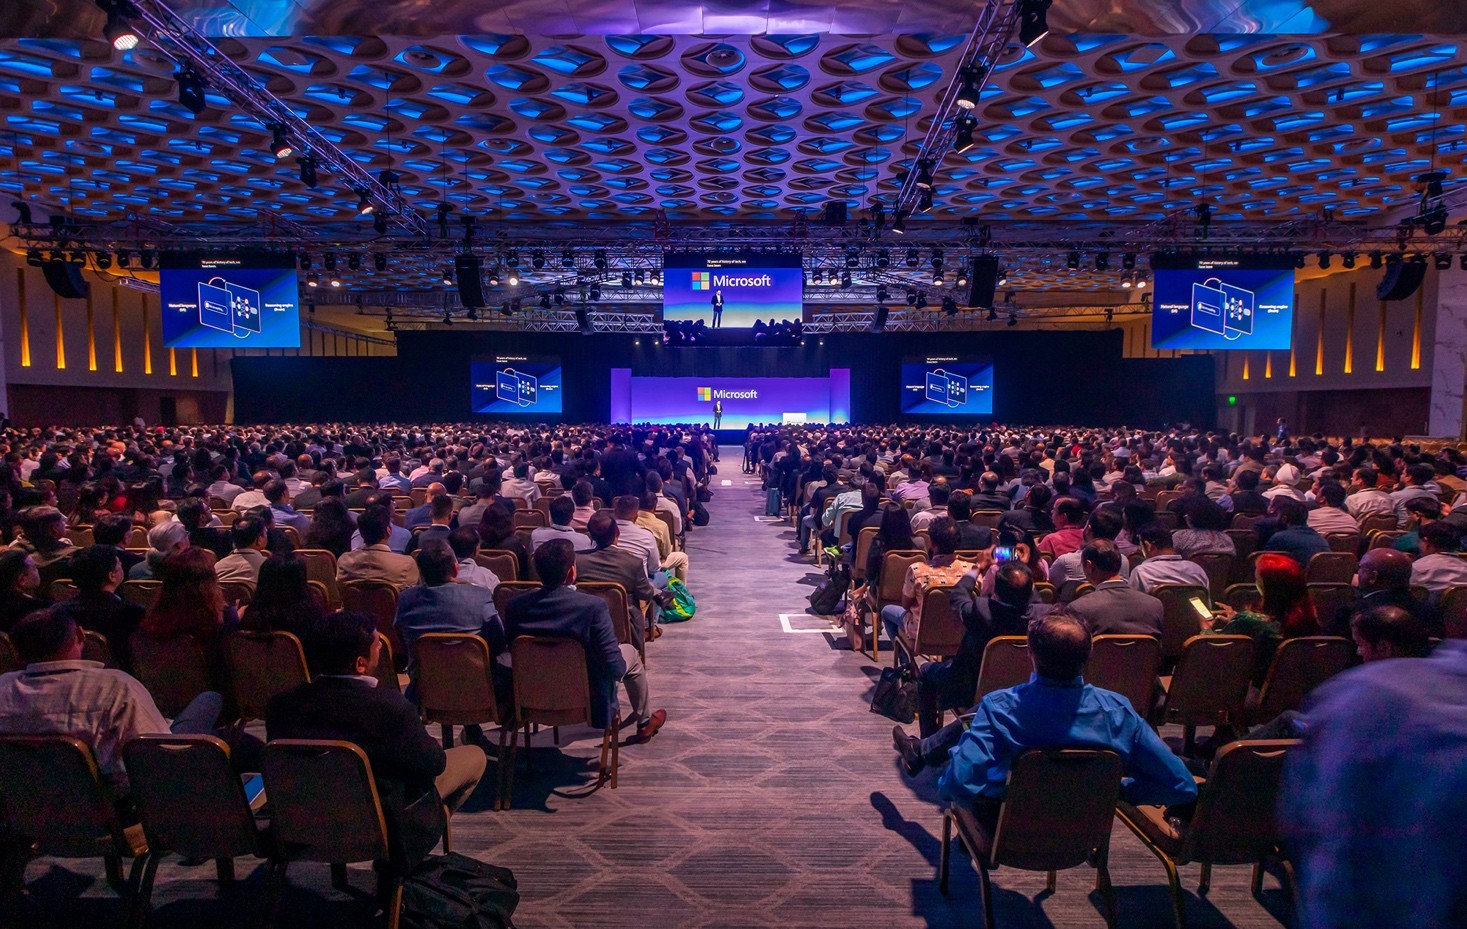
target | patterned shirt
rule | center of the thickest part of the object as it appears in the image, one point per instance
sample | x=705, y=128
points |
x=942, y=571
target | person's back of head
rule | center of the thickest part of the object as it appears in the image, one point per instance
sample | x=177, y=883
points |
x=436, y=564
x=247, y=532
x=1388, y=632
x=1039, y=497
x=625, y=507
x=92, y=568
x=943, y=533
x=1440, y=537
x=959, y=504
x=554, y=562
x=1102, y=557
x=374, y=524
x=1013, y=585
x=1420, y=474
x=1156, y=537
x=988, y=480
x=112, y=529
x=939, y=492
x=1290, y=512
x=1424, y=509
x=1367, y=476
x=522, y=470
x=440, y=509
x=1071, y=510
x=1059, y=645
x=582, y=493
x=1246, y=480
x=1333, y=494
x=339, y=645
x=193, y=513
x=1104, y=524
x=46, y=635
x=1385, y=569
x=562, y=511
x=464, y=541
x=602, y=529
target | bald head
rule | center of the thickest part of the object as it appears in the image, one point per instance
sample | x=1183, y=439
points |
x=1384, y=569
x=436, y=489
x=1059, y=644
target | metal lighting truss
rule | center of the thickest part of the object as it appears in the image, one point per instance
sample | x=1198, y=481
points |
x=175, y=38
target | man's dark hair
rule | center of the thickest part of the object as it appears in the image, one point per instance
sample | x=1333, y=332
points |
x=1442, y=536
x=562, y=509
x=367, y=478
x=1104, y=524
x=1421, y=474
x=939, y=492
x=943, y=532
x=91, y=567
x=436, y=563
x=1156, y=535
x=333, y=646
x=1059, y=644
x=1290, y=511
x=193, y=513
x=553, y=561
x=1013, y=584
x=1103, y=556
x=1333, y=494
x=1246, y=480
x=1394, y=626
x=1071, y=509
x=440, y=507
x=246, y=531
x=625, y=507
x=582, y=493
x=43, y=634
x=1367, y=476
x=112, y=529
x=1430, y=507
x=374, y=524
x=275, y=491
x=602, y=529
x=959, y=505
x=464, y=541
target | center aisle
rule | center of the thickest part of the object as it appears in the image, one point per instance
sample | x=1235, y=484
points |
x=772, y=797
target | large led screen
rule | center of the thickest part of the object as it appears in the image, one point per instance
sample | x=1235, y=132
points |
x=516, y=384
x=956, y=387
x=244, y=300
x=1212, y=303
x=732, y=290
x=743, y=400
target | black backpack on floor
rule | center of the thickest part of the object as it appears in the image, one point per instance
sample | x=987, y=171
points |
x=456, y=892
x=826, y=598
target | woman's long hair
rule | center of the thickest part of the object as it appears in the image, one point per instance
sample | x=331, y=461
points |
x=189, y=598
x=1286, y=595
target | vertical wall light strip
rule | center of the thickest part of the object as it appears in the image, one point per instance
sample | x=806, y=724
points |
x=1267, y=365
x=60, y=337
x=25, y=327
x=1319, y=342
x=173, y=362
x=1245, y=366
x=1380, y=340
x=1293, y=368
x=194, y=363
x=147, y=338
x=1416, y=332
x=91, y=331
x=1350, y=332
x=117, y=330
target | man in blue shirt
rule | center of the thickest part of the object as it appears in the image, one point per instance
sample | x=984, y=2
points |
x=1374, y=802
x=1057, y=709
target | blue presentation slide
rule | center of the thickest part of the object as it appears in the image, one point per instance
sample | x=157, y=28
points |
x=516, y=384
x=243, y=301
x=747, y=287
x=954, y=387
x=1223, y=304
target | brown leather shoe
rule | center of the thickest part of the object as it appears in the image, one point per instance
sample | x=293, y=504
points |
x=910, y=749
x=648, y=729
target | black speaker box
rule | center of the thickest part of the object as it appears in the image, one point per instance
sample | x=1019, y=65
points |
x=468, y=271
x=878, y=322
x=583, y=320
x=66, y=279
x=835, y=213
x=1401, y=279
x=982, y=281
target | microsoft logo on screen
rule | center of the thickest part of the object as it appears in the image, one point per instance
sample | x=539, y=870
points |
x=701, y=281
x=705, y=394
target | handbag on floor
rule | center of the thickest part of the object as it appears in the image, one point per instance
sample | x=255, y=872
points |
x=826, y=598
x=854, y=621
x=896, y=694
x=454, y=891
x=681, y=607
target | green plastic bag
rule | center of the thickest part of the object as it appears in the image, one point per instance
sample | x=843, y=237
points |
x=682, y=607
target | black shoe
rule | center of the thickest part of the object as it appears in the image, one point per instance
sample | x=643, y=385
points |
x=910, y=749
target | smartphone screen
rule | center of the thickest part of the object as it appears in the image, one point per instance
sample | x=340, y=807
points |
x=1202, y=609
x=254, y=788
x=1004, y=553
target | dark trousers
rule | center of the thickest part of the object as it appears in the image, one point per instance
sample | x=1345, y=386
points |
x=940, y=687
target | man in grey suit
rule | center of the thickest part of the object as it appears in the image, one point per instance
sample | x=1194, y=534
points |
x=1114, y=607
x=606, y=562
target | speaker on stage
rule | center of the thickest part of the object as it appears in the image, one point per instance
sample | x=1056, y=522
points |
x=982, y=281
x=1402, y=278
x=583, y=319
x=835, y=213
x=878, y=322
x=66, y=279
x=467, y=271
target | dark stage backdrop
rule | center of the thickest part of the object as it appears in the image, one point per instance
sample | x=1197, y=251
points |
x=1039, y=377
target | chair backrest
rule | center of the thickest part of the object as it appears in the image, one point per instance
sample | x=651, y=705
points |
x=550, y=683
x=52, y=793
x=864, y=538
x=1211, y=680
x=323, y=802
x=290, y=533
x=321, y=566
x=386, y=670
x=528, y=519
x=1242, y=596
x=95, y=647
x=1219, y=568
x=1058, y=808
x=189, y=799
x=1384, y=538
x=453, y=673
x=261, y=665
x=508, y=590
x=1246, y=520
x=173, y=668
x=1329, y=599
x=1377, y=523
x=137, y=537
x=1127, y=665
x=668, y=521
x=894, y=567
x=81, y=536
x=1331, y=568
x=61, y=590
x=504, y=564
x=1235, y=820
x=1454, y=612
x=1005, y=664
x=377, y=599
x=1347, y=542
x=1179, y=618
x=141, y=592
x=987, y=518
x=1044, y=592
x=237, y=592
x=9, y=657
x=615, y=596
x=1300, y=665
x=939, y=629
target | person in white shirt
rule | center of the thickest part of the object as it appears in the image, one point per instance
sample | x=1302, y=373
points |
x=1367, y=499
x=562, y=509
x=221, y=487
x=1439, y=566
x=255, y=497
x=520, y=484
x=465, y=545
x=1331, y=515
x=1163, y=565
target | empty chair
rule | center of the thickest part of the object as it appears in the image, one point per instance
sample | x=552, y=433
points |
x=939, y=629
x=1219, y=568
x=1005, y=664
x=261, y=665
x=53, y=797
x=455, y=685
x=1233, y=823
x=190, y=803
x=551, y=688
x=1210, y=685
x=1331, y=568
x=504, y=564
x=61, y=590
x=894, y=567
x=1330, y=599
x=1127, y=665
x=1300, y=665
x=173, y=668
x=528, y=519
x=324, y=808
x=1056, y=814
x=1180, y=619
x=321, y=566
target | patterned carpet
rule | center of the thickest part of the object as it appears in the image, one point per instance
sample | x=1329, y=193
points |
x=771, y=799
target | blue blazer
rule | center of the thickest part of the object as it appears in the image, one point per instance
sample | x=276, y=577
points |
x=571, y=614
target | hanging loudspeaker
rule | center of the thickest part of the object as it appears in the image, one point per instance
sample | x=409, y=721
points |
x=982, y=281
x=467, y=271
x=66, y=279
x=1402, y=278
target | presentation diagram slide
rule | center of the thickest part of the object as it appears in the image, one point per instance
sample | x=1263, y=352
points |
x=743, y=287
x=947, y=386
x=249, y=301
x=516, y=384
x=1220, y=305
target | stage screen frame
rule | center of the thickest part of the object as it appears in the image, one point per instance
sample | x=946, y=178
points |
x=756, y=285
x=1223, y=302
x=536, y=383
x=247, y=299
x=947, y=386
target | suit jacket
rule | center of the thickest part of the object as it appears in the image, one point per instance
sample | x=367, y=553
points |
x=571, y=614
x=430, y=534
x=983, y=618
x=377, y=563
x=618, y=566
x=448, y=608
x=360, y=496
x=109, y=615
x=405, y=759
x=1339, y=624
x=213, y=538
x=1115, y=608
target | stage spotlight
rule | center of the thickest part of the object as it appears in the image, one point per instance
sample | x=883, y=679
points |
x=1033, y=20
x=118, y=33
x=279, y=145
x=924, y=202
x=936, y=258
x=1376, y=259
x=937, y=278
x=962, y=279
x=379, y=223
x=883, y=258
x=911, y=297
x=305, y=261
x=506, y=309
x=1324, y=258
x=537, y=260
x=1003, y=277
x=149, y=259
x=853, y=257
x=1128, y=261
x=963, y=138
x=544, y=301
x=559, y=296
x=103, y=261
x=595, y=293
x=567, y=259
x=307, y=171
x=512, y=259
x=514, y=278
x=1443, y=261
x=882, y=295
x=640, y=277
x=968, y=93
x=817, y=276
x=1102, y=261
x=950, y=306
x=354, y=261
x=598, y=259
x=1298, y=259
x=626, y=278
x=899, y=225
x=33, y=257
x=191, y=89
x=1127, y=282
x=921, y=303
x=379, y=261
x=924, y=174
x=1072, y=261
x=364, y=206
x=124, y=258
x=912, y=259
x=1348, y=260
x=494, y=276
x=313, y=279
x=447, y=276
x=1140, y=281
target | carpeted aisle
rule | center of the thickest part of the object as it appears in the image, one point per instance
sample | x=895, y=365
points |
x=771, y=799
